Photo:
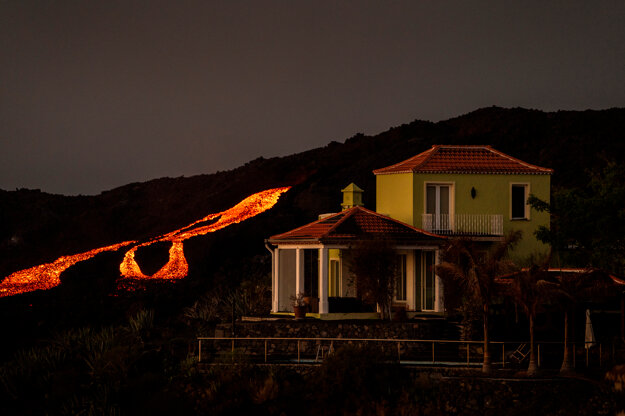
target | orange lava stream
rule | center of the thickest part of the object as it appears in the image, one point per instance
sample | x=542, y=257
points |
x=177, y=267
x=46, y=276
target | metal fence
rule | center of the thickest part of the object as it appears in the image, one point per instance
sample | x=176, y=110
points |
x=402, y=351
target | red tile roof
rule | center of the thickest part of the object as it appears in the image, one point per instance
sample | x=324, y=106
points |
x=353, y=224
x=463, y=159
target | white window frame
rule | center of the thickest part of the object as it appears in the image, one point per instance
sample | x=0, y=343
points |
x=452, y=199
x=526, y=185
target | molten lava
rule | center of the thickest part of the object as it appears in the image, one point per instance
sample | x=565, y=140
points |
x=47, y=276
x=177, y=267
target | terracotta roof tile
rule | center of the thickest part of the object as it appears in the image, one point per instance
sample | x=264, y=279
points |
x=463, y=159
x=354, y=223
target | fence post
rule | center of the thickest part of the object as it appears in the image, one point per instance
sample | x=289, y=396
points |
x=199, y=351
x=399, y=351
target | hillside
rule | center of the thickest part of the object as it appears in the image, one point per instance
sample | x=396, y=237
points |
x=36, y=227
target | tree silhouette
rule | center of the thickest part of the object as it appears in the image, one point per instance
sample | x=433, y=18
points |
x=374, y=264
x=530, y=288
x=588, y=224
x=474, y=271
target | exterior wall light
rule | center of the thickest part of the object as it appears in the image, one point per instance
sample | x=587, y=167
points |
x=473, y=192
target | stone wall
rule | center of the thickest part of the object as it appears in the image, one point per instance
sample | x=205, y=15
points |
x=416, y=329
x=410, y=330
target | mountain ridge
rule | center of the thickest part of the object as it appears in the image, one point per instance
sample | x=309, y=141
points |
x=36, y=227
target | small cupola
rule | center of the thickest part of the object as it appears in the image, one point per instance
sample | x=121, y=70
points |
x=352, y=196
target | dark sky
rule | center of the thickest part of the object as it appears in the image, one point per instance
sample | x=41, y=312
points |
x=94, y=95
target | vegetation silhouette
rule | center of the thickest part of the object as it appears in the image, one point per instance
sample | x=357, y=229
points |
x=470, y=268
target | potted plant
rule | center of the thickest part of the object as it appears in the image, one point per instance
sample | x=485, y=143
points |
x=299, y=306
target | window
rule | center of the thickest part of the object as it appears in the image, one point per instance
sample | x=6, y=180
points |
x=334, y=286
x=426, y=281
x=429, y=281
x=311, y=273
x=518, y=201
x=401, y=279
x=438, y=206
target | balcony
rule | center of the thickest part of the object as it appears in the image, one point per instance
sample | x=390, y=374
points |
x=463, y=224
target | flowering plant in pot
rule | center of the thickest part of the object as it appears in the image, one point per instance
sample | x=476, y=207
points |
x=299, y=306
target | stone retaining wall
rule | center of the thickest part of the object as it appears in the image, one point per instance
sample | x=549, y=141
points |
x=417, y=329
x=410, y=330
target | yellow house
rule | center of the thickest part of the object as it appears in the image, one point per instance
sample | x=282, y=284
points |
x=470, y=191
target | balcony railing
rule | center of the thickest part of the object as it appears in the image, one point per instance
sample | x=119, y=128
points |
x=463, y=224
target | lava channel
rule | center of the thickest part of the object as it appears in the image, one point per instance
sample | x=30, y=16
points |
x=177, y=267
x=46, y=276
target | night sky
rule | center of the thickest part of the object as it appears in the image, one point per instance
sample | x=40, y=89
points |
x=94, y=95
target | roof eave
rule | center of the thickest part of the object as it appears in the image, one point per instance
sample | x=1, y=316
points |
x=458, y=172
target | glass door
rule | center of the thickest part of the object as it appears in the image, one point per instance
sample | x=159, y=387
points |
x=401, y=279
x=437, y=205
x=425, y=281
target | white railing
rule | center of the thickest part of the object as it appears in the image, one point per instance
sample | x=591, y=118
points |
x=463, y=224
x=414, y=352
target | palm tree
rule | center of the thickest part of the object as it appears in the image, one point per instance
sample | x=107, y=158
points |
x=530, y=288
x=474, y=271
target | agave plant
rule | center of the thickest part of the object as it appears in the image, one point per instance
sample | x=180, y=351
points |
x=142, y=324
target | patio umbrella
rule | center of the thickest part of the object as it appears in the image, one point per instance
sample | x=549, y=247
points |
x=590, y=334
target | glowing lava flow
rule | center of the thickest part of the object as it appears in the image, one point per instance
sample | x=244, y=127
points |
x=46, y=276
x=177, y=267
